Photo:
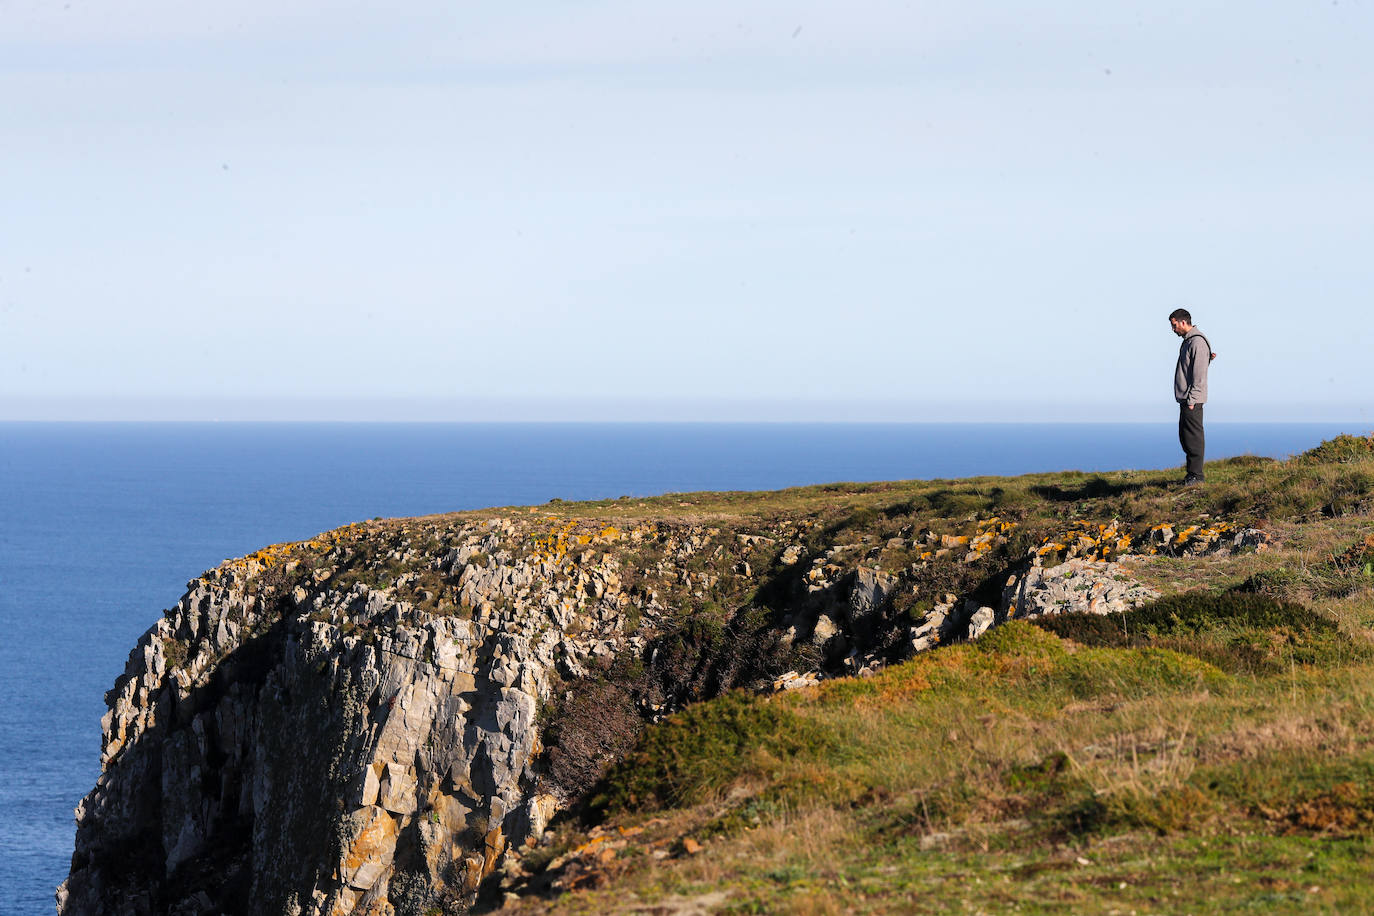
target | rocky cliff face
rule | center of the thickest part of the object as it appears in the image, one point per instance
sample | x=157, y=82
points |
x=380, y=720
x=296, y=736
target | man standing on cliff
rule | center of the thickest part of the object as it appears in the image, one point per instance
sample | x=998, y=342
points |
x=1190, y=390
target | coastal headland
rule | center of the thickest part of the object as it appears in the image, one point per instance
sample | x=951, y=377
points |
x=1066, y=692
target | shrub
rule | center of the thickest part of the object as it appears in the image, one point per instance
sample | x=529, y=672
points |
x=175, y=652
x=1238, y=632
x=706, y=748
x=1341, y=450
x=596, y=722
x=1274, y=583
x=1017, y=639
x=710, y=652
x=1244, y=461
x=1348, y=493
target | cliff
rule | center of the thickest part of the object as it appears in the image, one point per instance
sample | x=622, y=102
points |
x=386, y=718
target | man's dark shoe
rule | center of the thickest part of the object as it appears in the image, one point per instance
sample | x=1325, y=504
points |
x=1192, y=480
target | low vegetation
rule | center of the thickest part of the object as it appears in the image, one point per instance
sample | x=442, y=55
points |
x=1212, y=752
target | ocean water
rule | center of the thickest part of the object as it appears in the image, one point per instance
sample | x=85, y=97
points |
x=101, y=525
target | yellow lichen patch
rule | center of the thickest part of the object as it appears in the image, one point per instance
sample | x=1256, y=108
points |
x=554, y=545
x=275, y=555
x=1093, y=541
x=319, y=543
x=996, y=526
x=991, y=532
x=1098, y=541
x=270, y=556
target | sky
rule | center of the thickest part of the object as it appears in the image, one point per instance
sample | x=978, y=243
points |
x=755, y=210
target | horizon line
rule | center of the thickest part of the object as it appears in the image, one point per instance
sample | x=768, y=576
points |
x=568, y=410
x=278, y=421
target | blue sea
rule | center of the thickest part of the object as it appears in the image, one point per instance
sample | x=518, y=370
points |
x=101, y=525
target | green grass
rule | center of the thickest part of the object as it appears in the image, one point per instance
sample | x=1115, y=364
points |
x=1023, y=773
x=1238, y=632
x=1211, y=753
x=1020, y=775
x=1334, y=479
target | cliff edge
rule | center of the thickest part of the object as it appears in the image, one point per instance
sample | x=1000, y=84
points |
x=386, y=718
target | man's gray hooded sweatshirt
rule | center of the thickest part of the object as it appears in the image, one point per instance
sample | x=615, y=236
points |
x=1190, y=377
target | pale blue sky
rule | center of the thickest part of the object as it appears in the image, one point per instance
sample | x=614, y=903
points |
x=746, y=210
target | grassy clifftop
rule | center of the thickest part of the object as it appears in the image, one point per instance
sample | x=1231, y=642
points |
x=1212, y=752
x=887, y=698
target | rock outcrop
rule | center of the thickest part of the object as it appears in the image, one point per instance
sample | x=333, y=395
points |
x=278, y=745
x=1073, y=587
x=381, y=719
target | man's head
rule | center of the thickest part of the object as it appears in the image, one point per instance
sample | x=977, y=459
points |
x=1180, y=321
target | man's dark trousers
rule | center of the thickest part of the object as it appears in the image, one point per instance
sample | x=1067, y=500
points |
x=1191, y=438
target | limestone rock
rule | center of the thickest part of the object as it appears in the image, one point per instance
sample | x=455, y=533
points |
x=794, y=681
x=980, y=621
x=871, y=590
x=825, y=630
x=358, y=731
x=942, y=624
x=293, y=751
x=1076, y=586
